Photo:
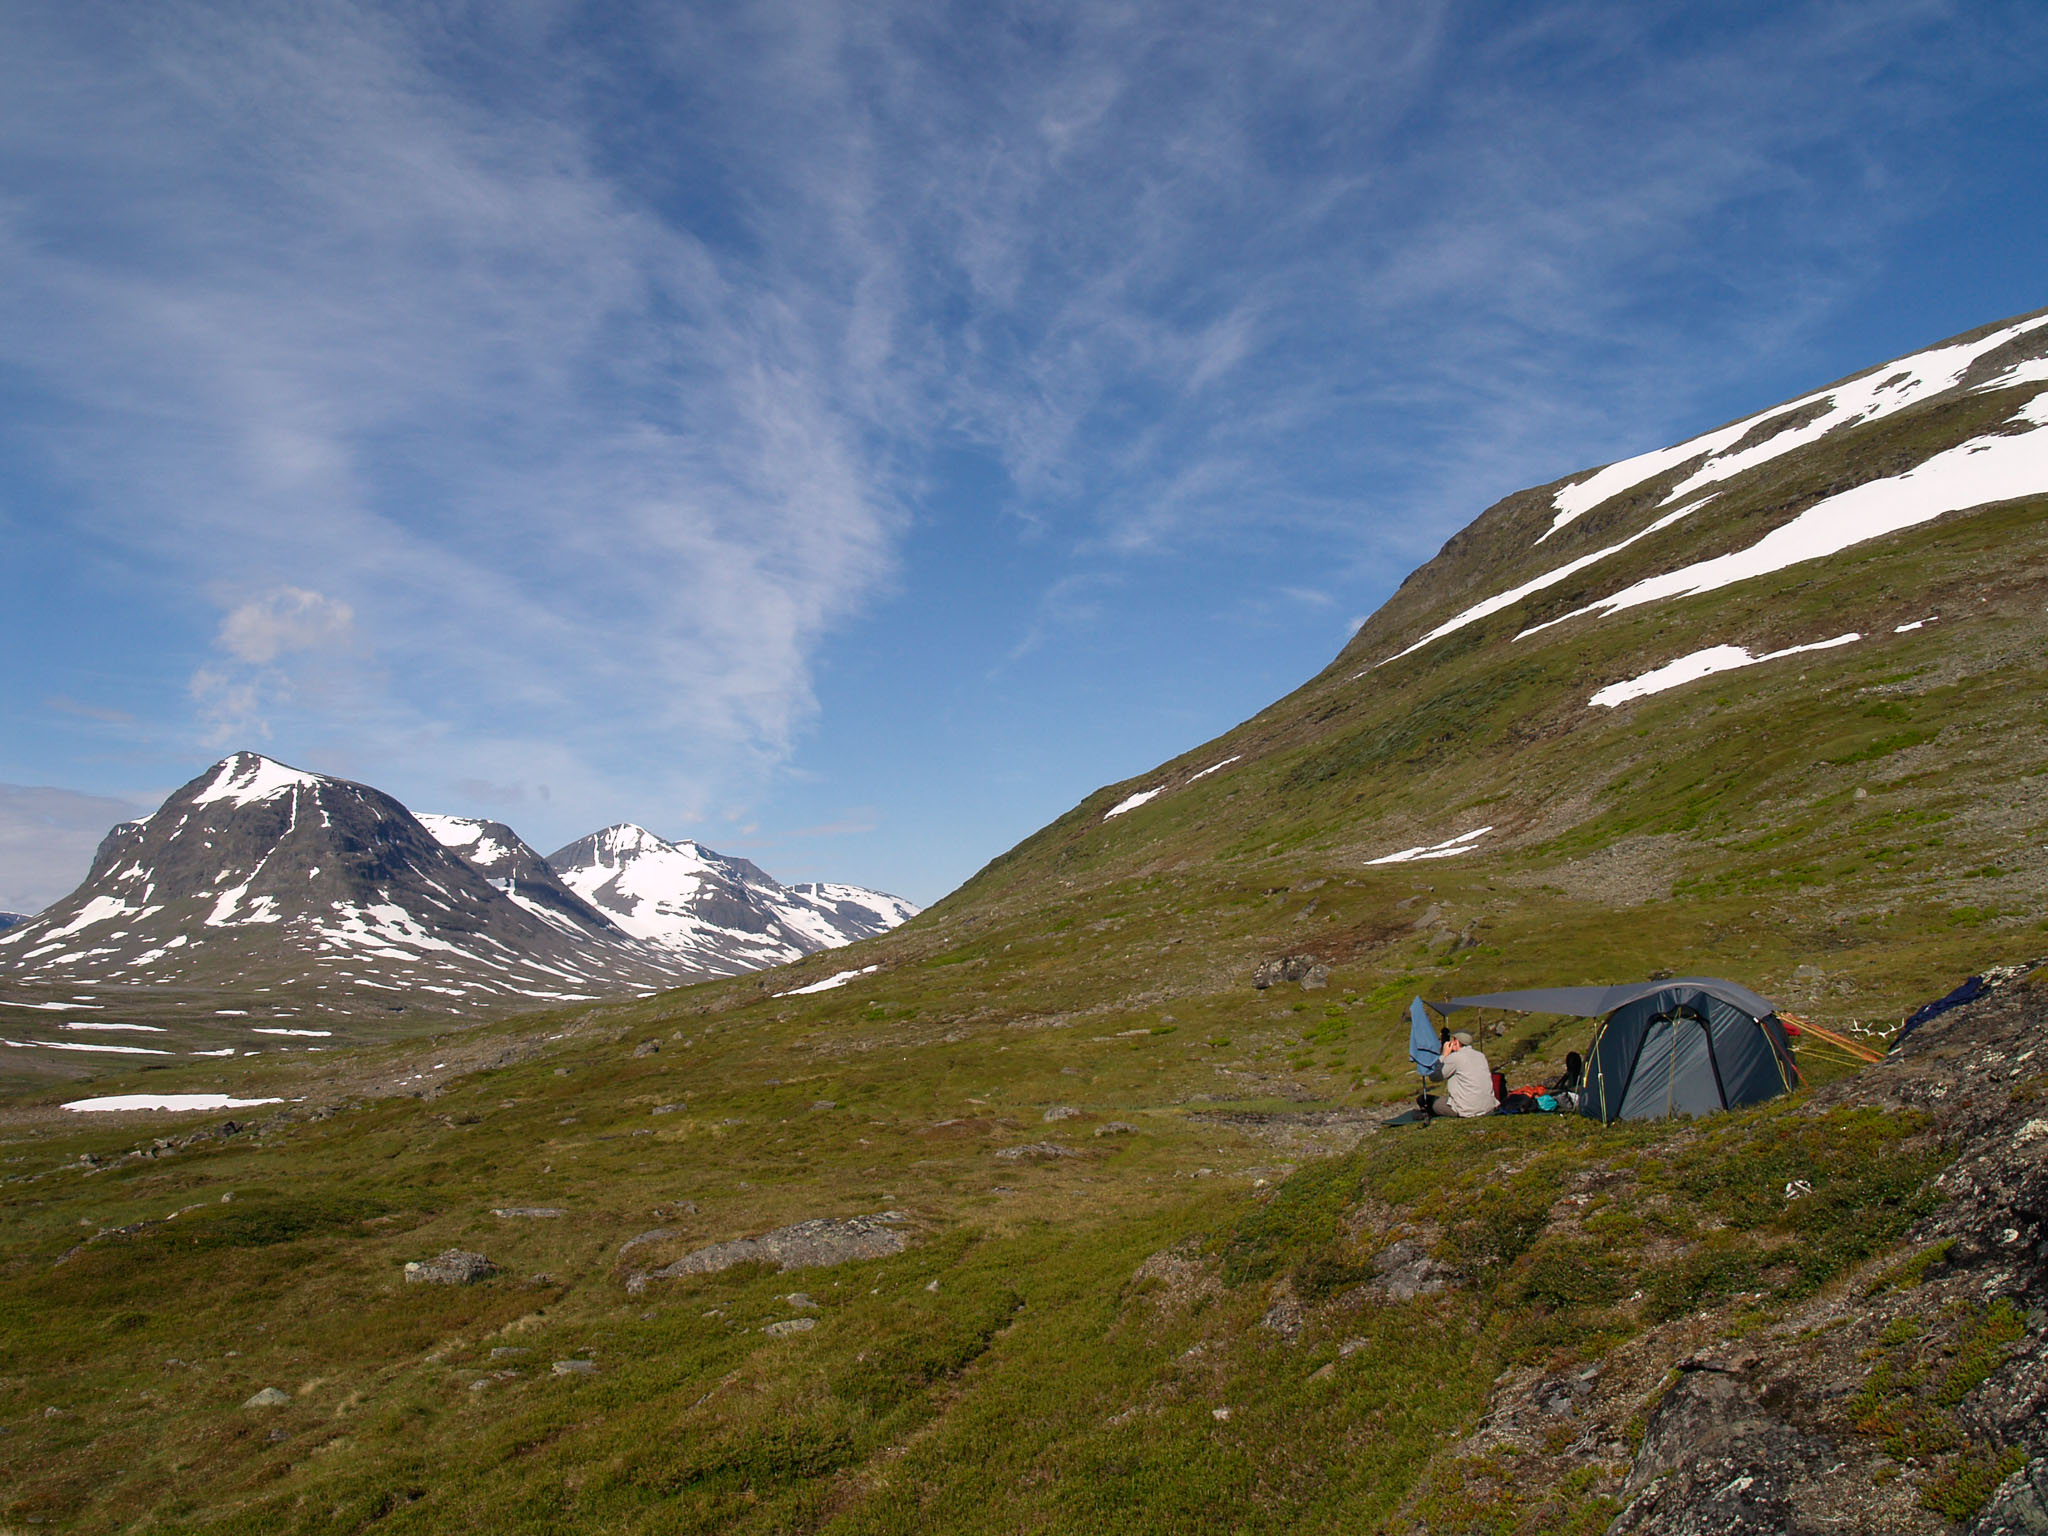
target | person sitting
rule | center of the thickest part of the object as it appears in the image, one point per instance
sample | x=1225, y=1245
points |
x=1468, y=1081
x=1566, y=1089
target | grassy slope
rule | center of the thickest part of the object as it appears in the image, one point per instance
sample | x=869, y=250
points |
x=1010, y=1372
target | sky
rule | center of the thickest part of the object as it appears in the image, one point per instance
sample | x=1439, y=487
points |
x=850, y=434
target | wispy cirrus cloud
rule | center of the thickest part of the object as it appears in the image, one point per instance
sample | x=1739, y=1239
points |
x=582, y=368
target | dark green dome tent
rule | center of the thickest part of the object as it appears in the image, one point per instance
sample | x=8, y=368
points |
x=1664, y=1048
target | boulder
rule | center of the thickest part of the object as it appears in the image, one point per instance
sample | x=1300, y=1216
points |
x=806, y=1245
x=1035, y=1151
x=515, y=1212
x=451, y=1266
x=1062, y=1112
x=791, y=1325
x=2018, y=1506
x=1116, y=1128
x=269, y=1397
x=575, y=1367
x=1310, y=972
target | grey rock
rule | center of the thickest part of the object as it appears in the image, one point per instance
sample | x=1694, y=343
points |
x=512, y=1212
x=824, y=1104
x=806, y=1245
x=647, y=1048
x=1035, y=1151
x=2018, y=1506
x=575, y=1367
x=799, y=1299
x=1310, y=972
x=510, y=1352
x=658, y=1235
x=1406, y=1271
x=451, y=1266
x=1713, y=1463
x=1116, y=1128
x=791, y=1325
x=1062, y=1112
x=269, y=1397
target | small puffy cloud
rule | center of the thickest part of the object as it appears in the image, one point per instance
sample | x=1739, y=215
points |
x=287, y=646
x=287, y=619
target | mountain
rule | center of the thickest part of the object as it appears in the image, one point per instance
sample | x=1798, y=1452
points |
x=503, y=858
x=9, y=919
x=717, y=914
x=1764, y=705
x=258, y=876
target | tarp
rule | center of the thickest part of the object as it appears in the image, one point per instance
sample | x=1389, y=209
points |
x=1686, y=1046
x=1423, y=1047
x=1595, y=1002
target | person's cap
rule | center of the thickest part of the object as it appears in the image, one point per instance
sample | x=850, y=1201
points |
x=1463, y=1037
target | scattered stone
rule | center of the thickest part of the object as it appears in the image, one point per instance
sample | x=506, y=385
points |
x=1324, y=1373
x=647, y=1048
x=1062, y=1112
x=277, y=1435
x=510, y=1352
x=1116, y=1128
x=806, y=1245
x=658, y=1235
x=510, y=1212
x=1284, y=1317
x=269, y=1397
x=1036, y=1151
x=799, y=1299
x=1406, y=1271
x=451, y=1266
x=575, y=1367
x=931, y=1285
x=561, y=1071
x=666, y=1109
x=1306, y=969
x=822, y=1104
x=1220, y=1415
x=791, y=1325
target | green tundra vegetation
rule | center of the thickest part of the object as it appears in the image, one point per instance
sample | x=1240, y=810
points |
x=1141, y=1325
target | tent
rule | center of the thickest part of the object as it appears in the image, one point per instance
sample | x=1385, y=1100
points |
x=1661, y=1048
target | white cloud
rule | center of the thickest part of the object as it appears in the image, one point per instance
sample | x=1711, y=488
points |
x=289, y=619
x=47, y=838
x=535, y=439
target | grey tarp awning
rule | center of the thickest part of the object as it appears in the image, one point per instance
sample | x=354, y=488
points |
x=1596, y=1002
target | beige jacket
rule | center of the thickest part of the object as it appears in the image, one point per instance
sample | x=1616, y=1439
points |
x=1468, y=1084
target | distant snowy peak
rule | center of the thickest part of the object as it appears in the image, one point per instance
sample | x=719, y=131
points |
x=713, y=909
x=257, y=873
x=517, y=871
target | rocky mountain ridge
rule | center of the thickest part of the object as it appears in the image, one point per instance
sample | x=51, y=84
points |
x=297, y=895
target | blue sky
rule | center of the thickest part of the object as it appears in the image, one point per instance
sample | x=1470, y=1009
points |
x=850, y=434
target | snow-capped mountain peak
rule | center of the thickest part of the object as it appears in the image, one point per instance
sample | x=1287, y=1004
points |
x=716, y=910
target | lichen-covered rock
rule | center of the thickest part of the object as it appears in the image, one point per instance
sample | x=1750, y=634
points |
x=1036, y=1152
x=269, y=1397
x=1062, y=1112
x=2019, y=1507
x=806, y=1245
x=451, y=1266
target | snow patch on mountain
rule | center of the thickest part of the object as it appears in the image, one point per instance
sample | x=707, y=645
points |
x=1880, y=392
x=1982, y=471
x=1689, y=669
x=1449, y=848
x=248, y=777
